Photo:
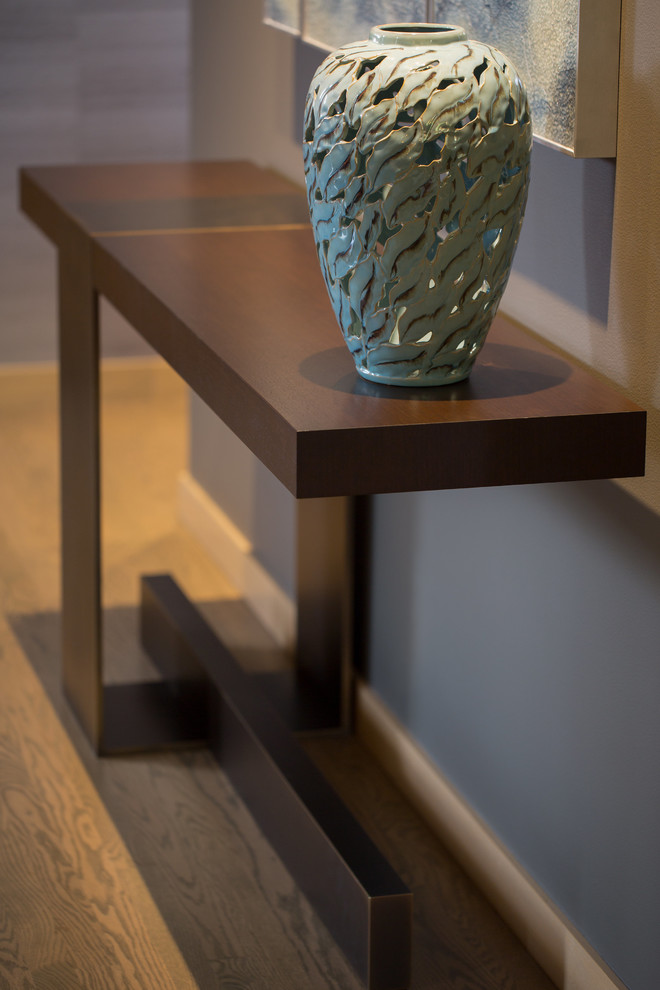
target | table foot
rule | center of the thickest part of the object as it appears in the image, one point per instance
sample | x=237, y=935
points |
x=151, y=715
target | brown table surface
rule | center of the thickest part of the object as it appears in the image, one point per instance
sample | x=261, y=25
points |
x=214, y=264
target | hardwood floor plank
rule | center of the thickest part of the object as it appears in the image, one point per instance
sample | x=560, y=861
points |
x=73, y=902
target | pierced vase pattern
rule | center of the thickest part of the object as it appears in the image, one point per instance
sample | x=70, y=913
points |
x=416, y=151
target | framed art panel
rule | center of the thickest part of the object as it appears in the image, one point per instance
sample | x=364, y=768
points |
x=566, y=51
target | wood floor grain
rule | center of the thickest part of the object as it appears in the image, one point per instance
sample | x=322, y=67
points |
x=74, y=911
x=148, y=871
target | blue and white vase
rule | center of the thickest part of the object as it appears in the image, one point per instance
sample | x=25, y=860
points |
x=416, y=149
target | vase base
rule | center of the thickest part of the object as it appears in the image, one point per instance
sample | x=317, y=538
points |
x=428, y=380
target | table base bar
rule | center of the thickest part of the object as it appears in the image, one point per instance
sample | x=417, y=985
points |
x=206, y=696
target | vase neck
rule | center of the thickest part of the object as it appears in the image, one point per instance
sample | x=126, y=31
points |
x=415, y=34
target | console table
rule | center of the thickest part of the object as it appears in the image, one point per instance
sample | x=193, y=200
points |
x=214, y=264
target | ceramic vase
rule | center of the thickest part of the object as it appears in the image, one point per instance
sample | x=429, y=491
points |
x=416, y=150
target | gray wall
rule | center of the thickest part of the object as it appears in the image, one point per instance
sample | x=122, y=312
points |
x=80, y=81
x=514, y=631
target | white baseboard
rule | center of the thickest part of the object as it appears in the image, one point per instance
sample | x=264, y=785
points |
x=548, y=936
x=233, y=555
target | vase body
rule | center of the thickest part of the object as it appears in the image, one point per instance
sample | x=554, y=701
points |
x=416, y=150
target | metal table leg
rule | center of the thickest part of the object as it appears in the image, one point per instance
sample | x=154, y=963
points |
x=80, y=485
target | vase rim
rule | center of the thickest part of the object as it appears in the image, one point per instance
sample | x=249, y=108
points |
x=416, y=33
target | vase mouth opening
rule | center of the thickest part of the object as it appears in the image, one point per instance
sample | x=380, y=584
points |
x=416, y=34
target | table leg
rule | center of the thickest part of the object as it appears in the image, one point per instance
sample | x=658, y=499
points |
x=317, y=694
x=80, y=485
x=324, y=645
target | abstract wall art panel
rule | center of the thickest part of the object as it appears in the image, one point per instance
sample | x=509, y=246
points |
x=566, y=51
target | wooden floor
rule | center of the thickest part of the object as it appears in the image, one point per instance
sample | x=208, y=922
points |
x=147, y=871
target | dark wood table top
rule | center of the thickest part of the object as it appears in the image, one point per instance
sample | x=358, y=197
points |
x=214, y=264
